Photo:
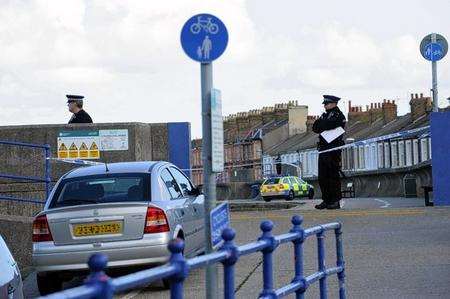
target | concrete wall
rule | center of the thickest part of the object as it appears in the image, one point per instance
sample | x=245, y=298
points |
x=16, y=231
x=384, y=184
x=145, y=142
x=297, y=120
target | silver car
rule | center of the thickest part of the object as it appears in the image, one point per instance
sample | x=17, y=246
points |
x=11, y=285
x=128, y=211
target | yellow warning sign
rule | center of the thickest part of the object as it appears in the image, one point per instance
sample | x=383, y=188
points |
x=63, y=152
x=84, y=151
x=94, y=152
x=73, y=151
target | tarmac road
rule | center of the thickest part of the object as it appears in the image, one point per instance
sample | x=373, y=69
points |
x=394, y=248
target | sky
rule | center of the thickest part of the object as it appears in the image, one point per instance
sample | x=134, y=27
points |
x=125, y=57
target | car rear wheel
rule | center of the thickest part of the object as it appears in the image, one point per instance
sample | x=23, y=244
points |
x=290, y=196
x=48, y=283
x=311, y=193
x=267, y=199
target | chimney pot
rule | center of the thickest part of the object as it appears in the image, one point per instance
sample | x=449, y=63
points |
x=417, y=96
x=393, y=102
x=371, y=105
x=412, y=96
x=421, y=95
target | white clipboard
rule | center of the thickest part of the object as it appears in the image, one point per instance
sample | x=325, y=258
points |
x=331, y=135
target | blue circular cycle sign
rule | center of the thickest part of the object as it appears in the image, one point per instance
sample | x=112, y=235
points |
x=204, y=38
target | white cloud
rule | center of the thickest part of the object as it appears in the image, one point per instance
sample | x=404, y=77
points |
x=126, y=58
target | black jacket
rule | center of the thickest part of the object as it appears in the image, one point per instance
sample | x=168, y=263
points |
x=82, y=117
x=331, y=119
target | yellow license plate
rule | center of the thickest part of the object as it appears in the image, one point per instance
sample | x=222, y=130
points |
x=100, y=228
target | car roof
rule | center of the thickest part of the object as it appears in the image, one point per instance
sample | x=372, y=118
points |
x=114, y=168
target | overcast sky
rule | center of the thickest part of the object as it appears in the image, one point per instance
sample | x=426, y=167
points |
x=126, y=58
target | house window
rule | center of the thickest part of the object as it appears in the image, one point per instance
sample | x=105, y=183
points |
x=401, y=153
x=423, y=150
x=380, y=155
x=415, y=151
x=387, y=155
x=408, y=152
x=394, y=154
x=361, y=163
x=429, y=148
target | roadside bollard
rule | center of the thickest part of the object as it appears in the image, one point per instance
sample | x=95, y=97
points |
x=228, y=235
x=97, y=264
x=298, y=255
x=177, y=259
x=266, y=227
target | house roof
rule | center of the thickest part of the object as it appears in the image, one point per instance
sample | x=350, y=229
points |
x=357, y=130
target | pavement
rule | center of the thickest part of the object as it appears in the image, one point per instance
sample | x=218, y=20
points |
x=394, y=248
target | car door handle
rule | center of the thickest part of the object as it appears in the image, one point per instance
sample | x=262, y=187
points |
x=195, y=210
x=182, y=213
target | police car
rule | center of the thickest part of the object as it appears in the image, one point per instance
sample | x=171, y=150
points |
x=287, y=187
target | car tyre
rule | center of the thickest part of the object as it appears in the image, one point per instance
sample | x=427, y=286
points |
x=166, y=283
x=49, y=283
x=290, y=196
x=267, y=199
x=311, y=193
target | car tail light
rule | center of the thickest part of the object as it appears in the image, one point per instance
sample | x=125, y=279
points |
x=41, y=230
x=155, y=221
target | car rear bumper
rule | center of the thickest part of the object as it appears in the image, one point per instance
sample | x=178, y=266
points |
x=275, y=193
x=148, y=251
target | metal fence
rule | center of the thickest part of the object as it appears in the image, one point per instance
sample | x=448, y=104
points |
x=46, y=179
x=99, y=285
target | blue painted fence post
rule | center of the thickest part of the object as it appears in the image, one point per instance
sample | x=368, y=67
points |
x=340, y=262
x=298, y=254
x=321, y=263
x=48, y=179
x=228, y=235
x=97, y=264
x=177, y=259
x=268, y=291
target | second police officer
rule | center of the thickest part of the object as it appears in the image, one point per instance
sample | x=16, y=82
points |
x=329, y=162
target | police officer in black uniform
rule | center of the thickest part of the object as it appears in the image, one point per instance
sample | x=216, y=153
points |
x=75, y=104
x=330, y=162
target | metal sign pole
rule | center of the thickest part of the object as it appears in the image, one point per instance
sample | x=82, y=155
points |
x=434, y=79
x=209, y=178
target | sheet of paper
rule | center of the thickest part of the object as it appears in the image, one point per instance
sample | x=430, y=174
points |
x=330, y=135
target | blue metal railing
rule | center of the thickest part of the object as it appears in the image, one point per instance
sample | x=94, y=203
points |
x=99, y=285
x=46, y=179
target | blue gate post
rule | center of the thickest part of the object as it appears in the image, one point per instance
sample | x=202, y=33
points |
x=228, y=235
x=321, y=263
x=298, y=255
x=97, y=264
x=48, y=179
x=266, y=227
x=177, y=259
x=340, y=262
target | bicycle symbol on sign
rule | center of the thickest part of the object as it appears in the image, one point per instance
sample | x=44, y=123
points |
x=206, y=25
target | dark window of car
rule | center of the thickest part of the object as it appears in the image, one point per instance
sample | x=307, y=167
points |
x=102, y=189
x=272, y=181
x=171, y=184
x=182, y=181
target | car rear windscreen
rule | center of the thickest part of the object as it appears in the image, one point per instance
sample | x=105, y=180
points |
x=272, y=181
x=102, y=189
